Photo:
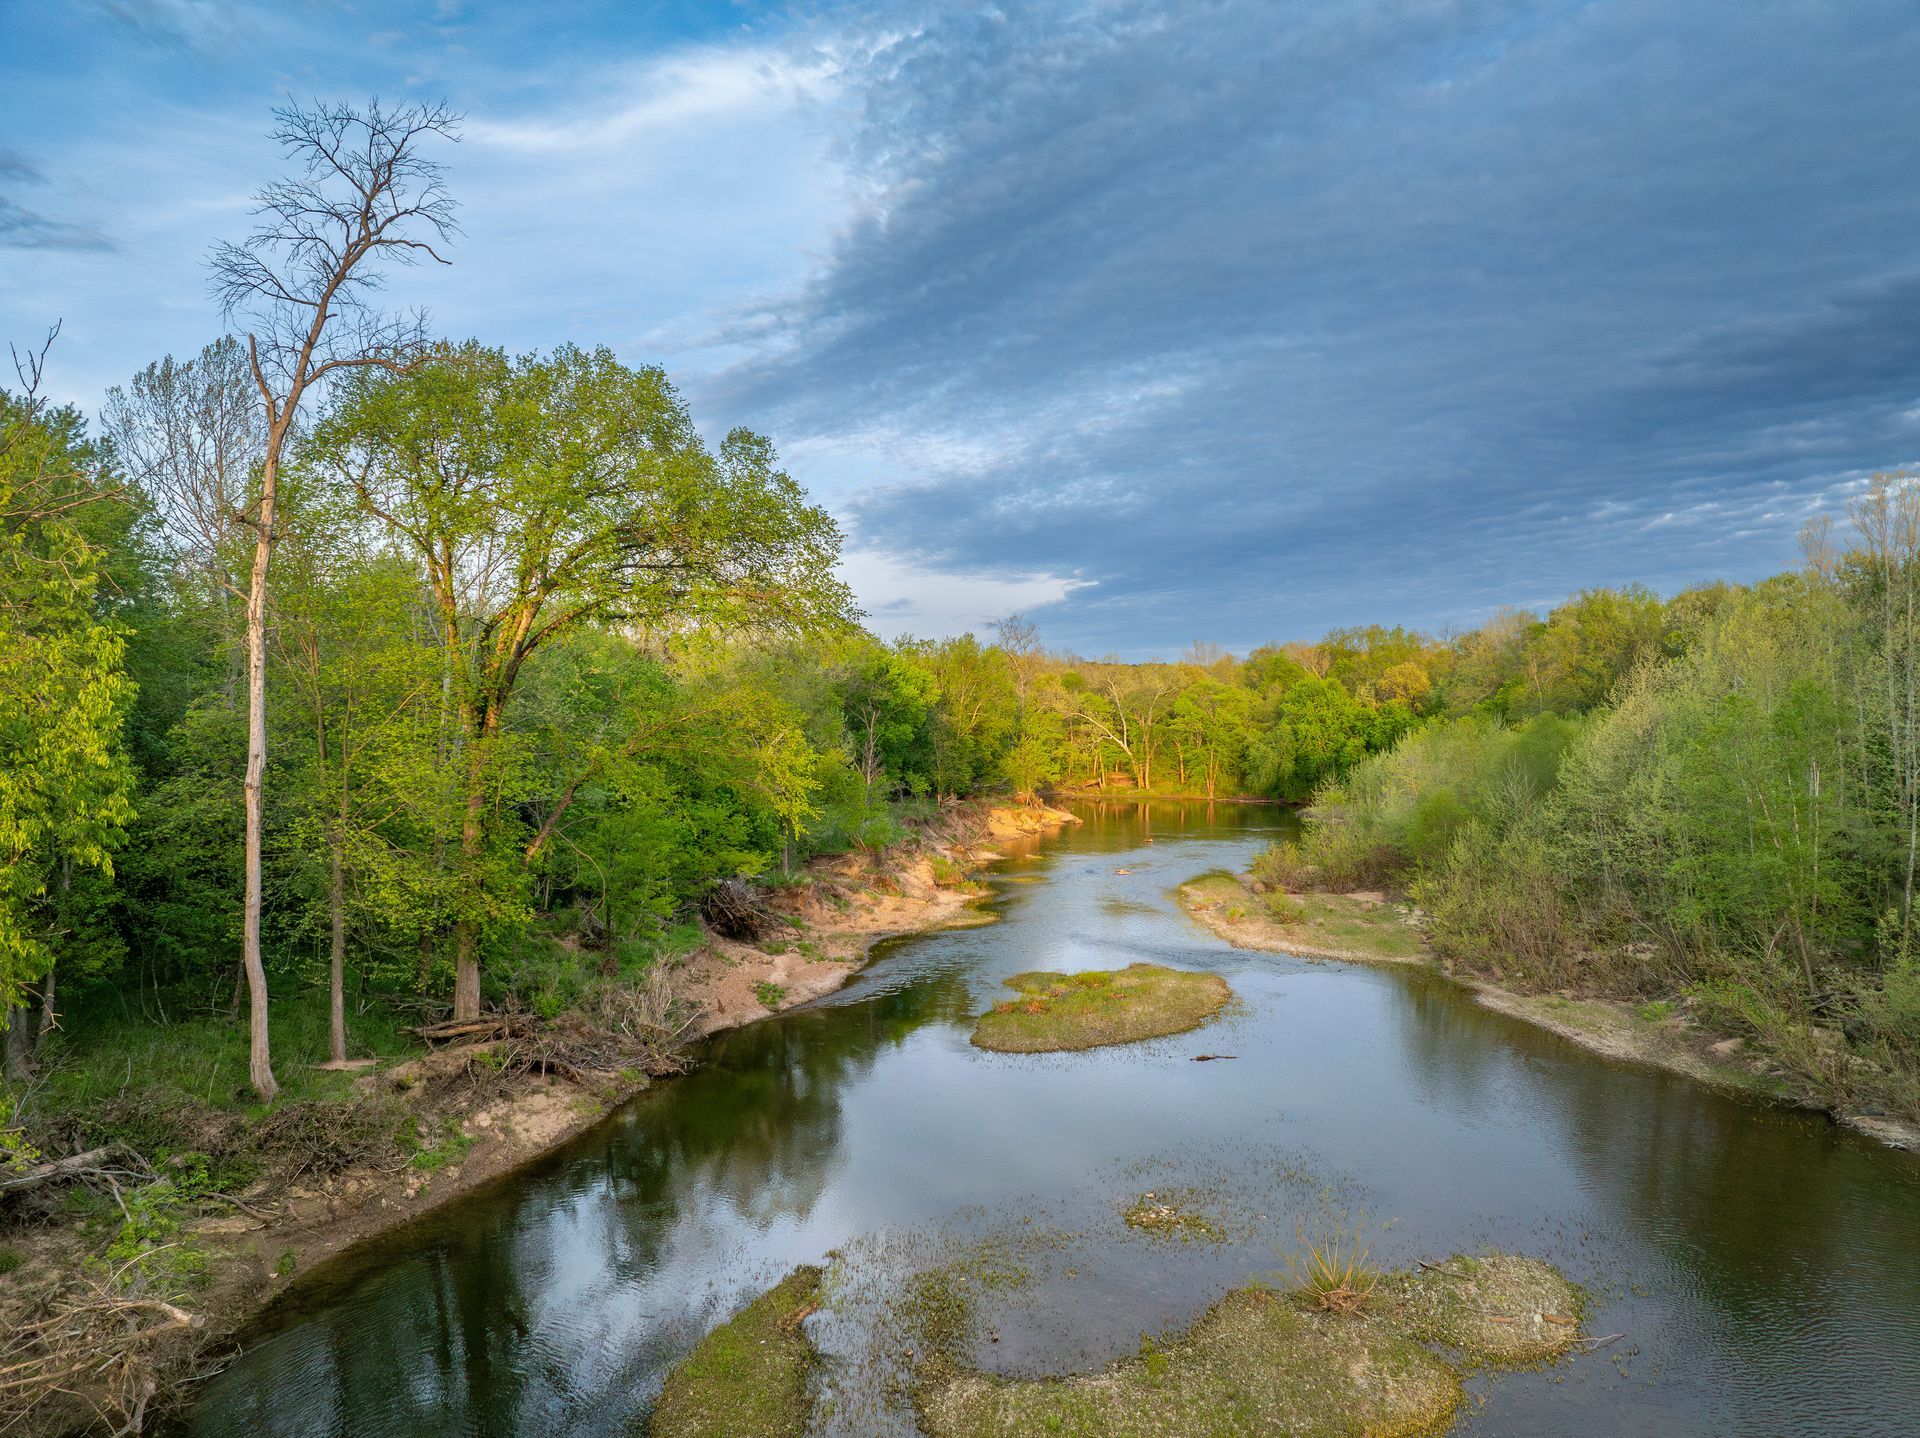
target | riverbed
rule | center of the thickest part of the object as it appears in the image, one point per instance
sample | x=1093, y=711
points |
x=1762, y=1267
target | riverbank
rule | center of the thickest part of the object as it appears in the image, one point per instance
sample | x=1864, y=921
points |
x=124, y=1271
x=1378, y=928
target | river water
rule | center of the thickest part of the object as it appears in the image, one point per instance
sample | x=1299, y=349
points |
x=1763, y=1267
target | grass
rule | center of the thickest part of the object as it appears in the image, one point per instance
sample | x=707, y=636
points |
x=1058, y=1012
x=1261, y=1361
x=1163, y=1214
x=450, y=1147
x=201, y=1058
x=1497, y=1309
x=1334, y=1276
x=1254, y=1364
x=771, y=995
x=747, y=1378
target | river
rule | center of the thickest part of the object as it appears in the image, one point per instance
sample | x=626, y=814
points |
x=1763, y=1267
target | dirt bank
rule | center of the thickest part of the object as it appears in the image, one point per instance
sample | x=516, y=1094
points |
x=1377, y=928
x=826, y=929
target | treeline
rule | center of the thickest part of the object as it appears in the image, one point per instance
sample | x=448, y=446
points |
x=540, y=668
x=1735, y=825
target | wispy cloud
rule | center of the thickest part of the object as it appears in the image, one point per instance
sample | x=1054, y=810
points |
x=24, y=229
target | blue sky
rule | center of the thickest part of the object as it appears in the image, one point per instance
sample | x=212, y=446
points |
x=1231, y=320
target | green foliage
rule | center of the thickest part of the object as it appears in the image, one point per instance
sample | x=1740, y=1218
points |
x=449, y=1146
x=66, y=782
x=1334, y=1274
x=771, y=995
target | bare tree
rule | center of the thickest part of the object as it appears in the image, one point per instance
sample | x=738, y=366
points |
x=303, y=289
x=192, y=435
x=1019, y=640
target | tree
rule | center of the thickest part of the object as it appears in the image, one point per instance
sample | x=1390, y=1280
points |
x=1211, y=721
x=65, y=781
x=303, y=285
x=888, y=701
x=191, y=435
x=541, y=495
x=355, y=677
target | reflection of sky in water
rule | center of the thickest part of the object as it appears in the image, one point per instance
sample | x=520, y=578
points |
x=1761, y=1264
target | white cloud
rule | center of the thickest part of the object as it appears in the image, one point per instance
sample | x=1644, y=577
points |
x=902, y=598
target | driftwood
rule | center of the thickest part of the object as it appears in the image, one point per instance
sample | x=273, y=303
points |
x=460, y=1029
x=1211, y=1058
x=78, y=1165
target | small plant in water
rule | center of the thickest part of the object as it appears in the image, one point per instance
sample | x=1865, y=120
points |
x=1334, y=1275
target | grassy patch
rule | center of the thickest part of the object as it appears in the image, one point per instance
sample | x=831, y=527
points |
x=1256, y=1363
x=771, y=995
x=103, y=1059
x=1498, y=1309
x=1056, y=1012
x=1166, y=1215
x=1335, y=1276
x=450, y=1147
x=747, y=1378
x=1262, y=1362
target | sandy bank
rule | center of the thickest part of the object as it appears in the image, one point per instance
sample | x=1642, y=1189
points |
x=1374, y=928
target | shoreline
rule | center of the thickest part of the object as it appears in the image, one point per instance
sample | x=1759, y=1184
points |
x=1611, y=1028
x=492, y=1123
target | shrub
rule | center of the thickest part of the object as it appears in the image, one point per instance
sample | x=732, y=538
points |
x=1334, y=1275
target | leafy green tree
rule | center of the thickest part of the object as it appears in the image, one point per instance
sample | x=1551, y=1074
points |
x=1212, y=722
x=540, y=495
x=66, y=785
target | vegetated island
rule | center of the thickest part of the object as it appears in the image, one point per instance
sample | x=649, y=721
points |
x=1057, y=1013
x=1346, y=1353
x=749, y=1375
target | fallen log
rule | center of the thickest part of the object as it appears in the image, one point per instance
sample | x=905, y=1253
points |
x=73, y=1167
x=455, y=1029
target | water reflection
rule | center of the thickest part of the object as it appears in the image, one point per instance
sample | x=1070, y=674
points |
x=1761, y=1264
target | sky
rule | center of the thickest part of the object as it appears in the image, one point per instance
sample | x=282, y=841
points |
x=1234, y=321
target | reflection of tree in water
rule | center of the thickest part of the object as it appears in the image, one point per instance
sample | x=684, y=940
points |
x=1109, y=825
x=1742, y=1202
x=439, y=1328
x=759, y=1121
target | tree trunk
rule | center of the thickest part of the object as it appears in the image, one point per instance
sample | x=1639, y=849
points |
x=259, y=1061
x=337, y=969
x=19, y=1055
x=473, y=841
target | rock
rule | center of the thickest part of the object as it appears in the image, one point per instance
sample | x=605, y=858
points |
x=1726, y=1048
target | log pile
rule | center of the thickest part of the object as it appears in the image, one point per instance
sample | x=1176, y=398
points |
x=735, y=909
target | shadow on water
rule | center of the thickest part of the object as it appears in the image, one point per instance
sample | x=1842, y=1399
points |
x=1761, y=1264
